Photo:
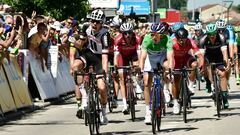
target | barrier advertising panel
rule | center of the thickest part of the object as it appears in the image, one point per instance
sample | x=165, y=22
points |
x=17, y=85
x=6, y=99
x=43, y=79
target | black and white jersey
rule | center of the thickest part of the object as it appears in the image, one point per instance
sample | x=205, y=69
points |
x=98, y=42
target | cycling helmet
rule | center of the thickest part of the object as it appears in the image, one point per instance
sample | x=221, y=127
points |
x=159, y=27
x=181, y=33
x=126, y=27
x=211, y=28
x=97, y=15
x=221, y=24
x=229, y=27
x=177, y=26
x=198, y=26
x=116, y=21
x=237, y=28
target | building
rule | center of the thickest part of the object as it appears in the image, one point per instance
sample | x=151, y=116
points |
x=213, y=12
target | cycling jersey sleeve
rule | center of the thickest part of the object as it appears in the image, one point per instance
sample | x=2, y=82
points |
x=105, y=42
x=146, y=42
x=231, y=36
x=202, y=42
x=169, y=44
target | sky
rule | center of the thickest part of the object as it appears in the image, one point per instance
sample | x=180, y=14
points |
x=199, y=3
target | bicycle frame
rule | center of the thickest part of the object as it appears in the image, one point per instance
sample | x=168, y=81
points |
x=156, y=100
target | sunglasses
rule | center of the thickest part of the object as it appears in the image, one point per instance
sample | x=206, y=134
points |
x=95, y=21
x=212, y=34
x=155, y=34
x=127, y=32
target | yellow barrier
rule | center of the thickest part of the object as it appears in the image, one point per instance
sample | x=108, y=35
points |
x=17, y=85
x=6, y=99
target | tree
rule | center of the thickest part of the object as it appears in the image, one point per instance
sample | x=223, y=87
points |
x=175, y=4
x=237, y=8
x=59, y=9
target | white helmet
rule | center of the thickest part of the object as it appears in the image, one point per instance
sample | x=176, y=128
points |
x=116, y=21
x=126, y=27
x=198, y=26
x=221, y=24
x=97, y=15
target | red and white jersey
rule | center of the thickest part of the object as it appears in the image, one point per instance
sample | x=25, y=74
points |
x=181, y=52
x=120, y=45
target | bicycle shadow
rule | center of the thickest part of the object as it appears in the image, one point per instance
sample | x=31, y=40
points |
x=121, y=133
x=200, y=106
x=137, y=119
x=169, y=130
x=189, y=120
x=115, y=121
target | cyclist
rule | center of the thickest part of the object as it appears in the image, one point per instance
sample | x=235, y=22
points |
x=237, y=30
x=96, y=55
x=198, y=33
x=229, y=37
x=156, y=48
x=126, y=51
x=184, y=50
x=77, y=44
x=175, y=27
x=215, y=50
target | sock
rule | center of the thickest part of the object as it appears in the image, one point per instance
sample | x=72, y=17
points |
x=84, y=94
x=124, y=102
x=147, y=108
x=166, y=86
x=79, y=103
x=103, y=110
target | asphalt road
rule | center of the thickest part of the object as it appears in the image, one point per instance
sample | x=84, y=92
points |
x=202, y=120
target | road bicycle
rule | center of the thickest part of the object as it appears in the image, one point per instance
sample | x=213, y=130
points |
x=157, y=105
x=185, y=95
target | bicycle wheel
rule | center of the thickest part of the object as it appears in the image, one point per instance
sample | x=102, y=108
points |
x=91, y=113
x=160, y=109
x=217, y=95
x=153, y=110
x=131, y=100
x=110, y=100
x=184, y=100
x=97, y=112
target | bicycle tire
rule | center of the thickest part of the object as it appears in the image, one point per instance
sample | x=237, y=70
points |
x=217, y=96
x=97, y=113
x=184, y=100
x=110, y=100
x=85, y=117
x=91, y=115
x=131, y=101
x=153, y=110
x=160, y=110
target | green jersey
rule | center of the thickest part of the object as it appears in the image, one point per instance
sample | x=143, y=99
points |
x=163, y=46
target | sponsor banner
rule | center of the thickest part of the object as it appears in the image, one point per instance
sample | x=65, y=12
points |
x=137, y=7
x=23, y=61
x=17, y=85
x=6, y=99
x=43, y=79
x=103, y=3
x=68, y=78
x=53, y=60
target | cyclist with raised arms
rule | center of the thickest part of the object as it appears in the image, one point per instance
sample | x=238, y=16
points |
x=184, y=48
x=126, y=51
x=156, y=48
x=215, y=51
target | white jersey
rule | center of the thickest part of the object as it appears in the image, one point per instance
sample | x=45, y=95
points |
x=99, y=42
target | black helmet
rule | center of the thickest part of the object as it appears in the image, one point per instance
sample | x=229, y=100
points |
x=181, y=33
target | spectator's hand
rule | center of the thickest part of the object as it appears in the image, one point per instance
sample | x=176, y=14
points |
x=34, y=13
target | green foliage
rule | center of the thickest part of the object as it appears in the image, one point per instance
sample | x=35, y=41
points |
x=175, y=4
x=59, y=9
